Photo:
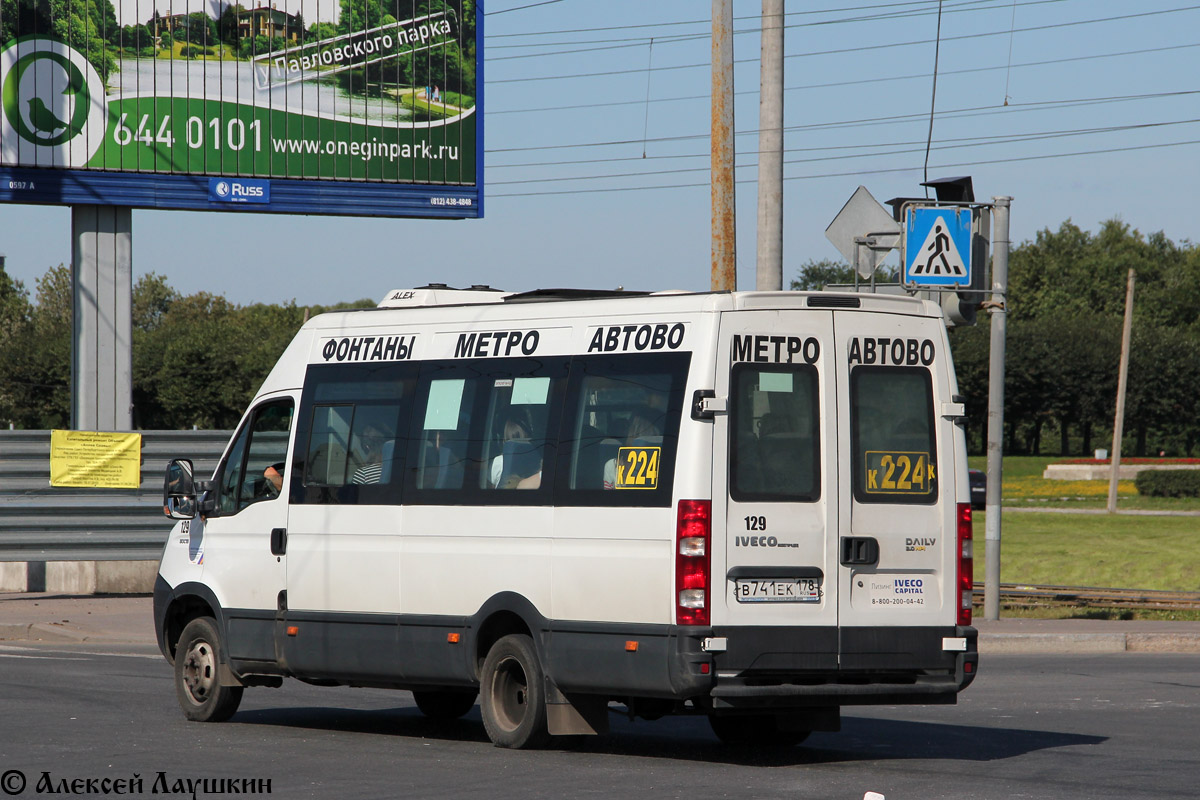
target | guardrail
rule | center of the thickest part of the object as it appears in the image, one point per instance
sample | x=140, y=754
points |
x=42, y=523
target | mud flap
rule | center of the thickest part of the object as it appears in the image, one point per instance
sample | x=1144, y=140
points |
x=577, y=715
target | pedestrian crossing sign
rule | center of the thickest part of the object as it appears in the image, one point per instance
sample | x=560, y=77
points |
x=937, y=246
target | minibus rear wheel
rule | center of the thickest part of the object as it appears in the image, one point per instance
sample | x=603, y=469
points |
x=512, y=694
x=197, y=685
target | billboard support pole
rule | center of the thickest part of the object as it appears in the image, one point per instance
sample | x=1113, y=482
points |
x=102, y=329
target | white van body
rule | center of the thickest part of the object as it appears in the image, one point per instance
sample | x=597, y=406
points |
x=751, y=505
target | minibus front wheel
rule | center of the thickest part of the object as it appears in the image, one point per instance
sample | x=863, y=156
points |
x=512, y=694
x=197, y=670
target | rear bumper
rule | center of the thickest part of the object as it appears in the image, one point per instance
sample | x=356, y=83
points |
x=805, y=667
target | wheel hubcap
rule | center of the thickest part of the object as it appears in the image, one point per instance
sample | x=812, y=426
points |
x=200, y=672
x=510, y=689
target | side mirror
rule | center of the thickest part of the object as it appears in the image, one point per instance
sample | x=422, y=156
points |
x=179, y=490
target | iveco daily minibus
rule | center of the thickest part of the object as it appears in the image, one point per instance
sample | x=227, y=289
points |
x=751, y=506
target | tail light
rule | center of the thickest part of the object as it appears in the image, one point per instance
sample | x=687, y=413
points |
x=966, y=563
x=693, y=557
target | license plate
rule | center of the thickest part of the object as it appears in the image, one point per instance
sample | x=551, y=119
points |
x=792, y=590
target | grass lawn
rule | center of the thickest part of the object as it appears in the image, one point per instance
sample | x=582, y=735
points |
x=1025, y=486
x=1109, y=551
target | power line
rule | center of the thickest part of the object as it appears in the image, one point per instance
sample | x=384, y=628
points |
x=856, y=173
x=835, y=84
x=706, y=21
x=520, y=8
x=959, y=113
x=860, y=49
x=959, y=143
x=970, y=111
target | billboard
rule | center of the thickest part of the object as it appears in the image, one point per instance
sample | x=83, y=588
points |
x=363, y=107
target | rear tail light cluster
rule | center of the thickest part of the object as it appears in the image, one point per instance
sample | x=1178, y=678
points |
x=693, y=559
x=966, y=563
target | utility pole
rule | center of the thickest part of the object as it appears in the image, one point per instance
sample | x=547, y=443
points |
x=1122, y=380
x=995, y=416
x=769, y=272
x=724, y=230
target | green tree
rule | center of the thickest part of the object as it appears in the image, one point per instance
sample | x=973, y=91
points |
x=227, y=23
x=36, y=369
x=85, y=24
x=816, y=275
x=15, y=312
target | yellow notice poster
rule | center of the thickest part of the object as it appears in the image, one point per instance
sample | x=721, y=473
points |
x=95, y=459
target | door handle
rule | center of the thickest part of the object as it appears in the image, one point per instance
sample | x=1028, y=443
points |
x=859, y=550
x=278, y=541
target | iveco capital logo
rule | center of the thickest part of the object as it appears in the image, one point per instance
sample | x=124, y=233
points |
x=54, y=108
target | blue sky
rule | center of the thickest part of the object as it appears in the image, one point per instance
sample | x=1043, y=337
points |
x=1102, y=120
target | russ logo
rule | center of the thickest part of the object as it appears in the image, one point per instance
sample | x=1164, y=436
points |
x=53, y=100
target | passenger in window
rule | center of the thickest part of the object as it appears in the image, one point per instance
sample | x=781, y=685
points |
x=519, y=465
x=642, y=428
x=374, y=442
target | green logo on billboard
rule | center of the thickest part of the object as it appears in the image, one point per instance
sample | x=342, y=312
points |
x=58, y=112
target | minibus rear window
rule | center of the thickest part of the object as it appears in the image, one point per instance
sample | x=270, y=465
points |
x=774, y=453
x=894, y=455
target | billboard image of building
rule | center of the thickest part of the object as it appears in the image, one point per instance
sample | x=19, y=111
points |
x=319, y=106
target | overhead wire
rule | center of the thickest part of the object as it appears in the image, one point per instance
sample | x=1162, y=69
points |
x=836, y=152
x=947, y=144
x=836, y=84
x=881, y=171
x=857, y=49
x=970, y=111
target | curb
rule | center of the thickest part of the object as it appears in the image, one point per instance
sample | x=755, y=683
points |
x=1060, y=643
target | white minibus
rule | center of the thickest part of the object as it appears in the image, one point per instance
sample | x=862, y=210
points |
x=751, y=506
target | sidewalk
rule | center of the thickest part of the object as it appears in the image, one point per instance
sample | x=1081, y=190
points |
x=117, y=619
x=97, y=619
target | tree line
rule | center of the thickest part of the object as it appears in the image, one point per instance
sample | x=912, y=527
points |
x=198, y=359
x=1066, y=300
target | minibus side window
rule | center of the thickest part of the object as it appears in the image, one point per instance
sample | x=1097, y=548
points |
x=893, y=448
x=352, y=439
x=516, y=443
x=444, y=439
x=254, y=469
x=774, y=452
x=483, y=432
x=621, y=429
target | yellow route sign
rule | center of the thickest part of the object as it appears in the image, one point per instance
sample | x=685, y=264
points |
x=95, y=459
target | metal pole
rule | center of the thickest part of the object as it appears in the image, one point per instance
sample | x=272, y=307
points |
x=769, y=273
x=102, y=343
x=995, y=418
x=1122, y=379
x=724, y=232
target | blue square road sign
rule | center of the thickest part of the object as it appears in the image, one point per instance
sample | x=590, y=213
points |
x=937, y=246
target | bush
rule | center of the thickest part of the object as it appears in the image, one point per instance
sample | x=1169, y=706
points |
x=1168, y=483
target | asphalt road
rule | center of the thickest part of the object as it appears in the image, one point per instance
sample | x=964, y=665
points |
x=1062, y=726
